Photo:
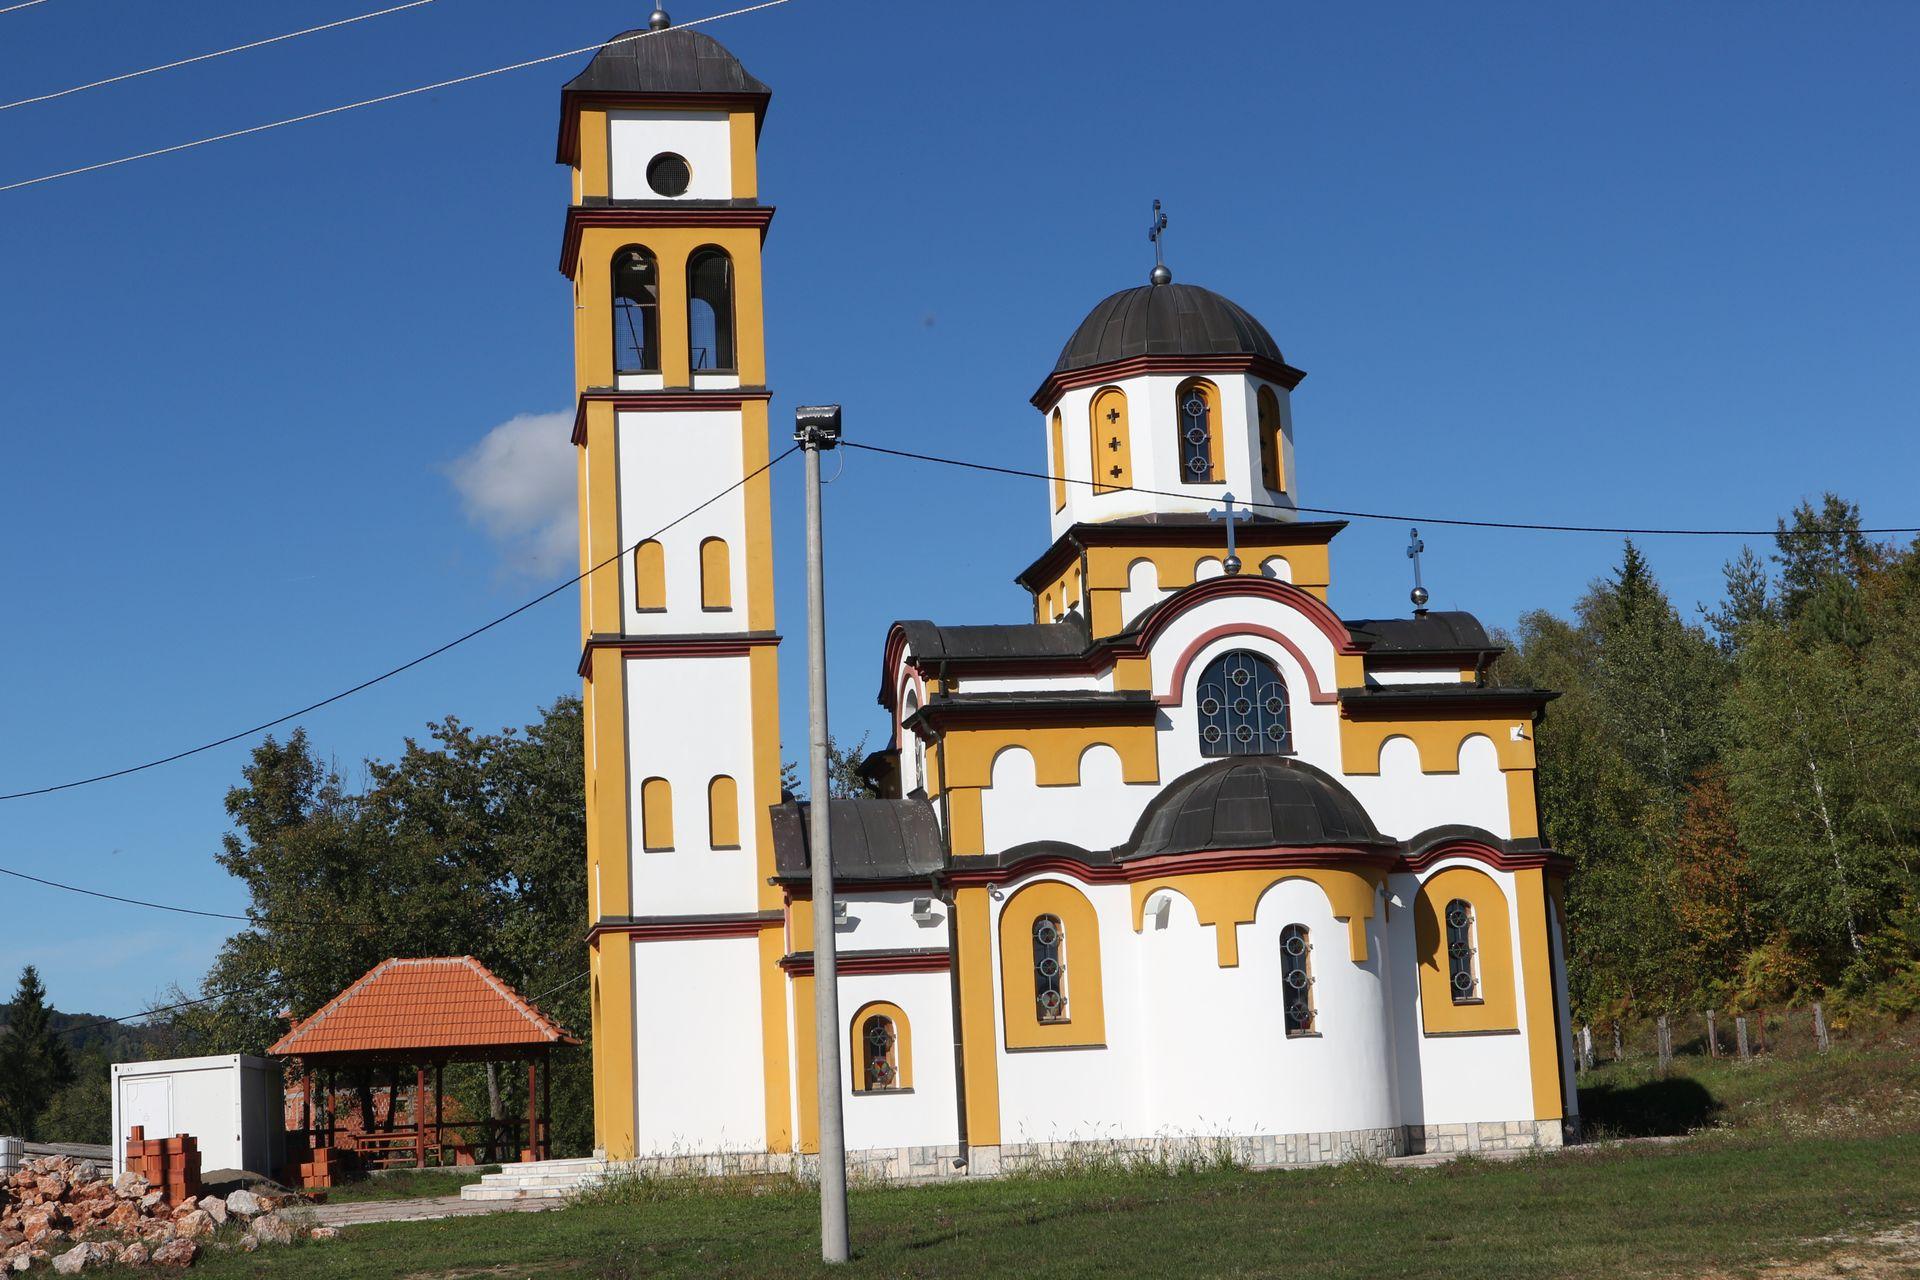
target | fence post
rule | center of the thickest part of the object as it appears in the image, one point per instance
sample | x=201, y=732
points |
x=1740, y=1036
x=1619, y=1050
x=1820, y=1036
x=1760, y=1030
x=1586, y=1046
x=1664, y=1047
x=11, y=1151
x=1713, y=1036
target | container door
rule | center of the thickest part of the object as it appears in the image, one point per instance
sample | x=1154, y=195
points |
x=148, y=1101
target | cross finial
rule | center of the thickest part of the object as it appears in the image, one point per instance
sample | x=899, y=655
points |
x=1419, y=593
x=1155, y=231
x=1232, y=564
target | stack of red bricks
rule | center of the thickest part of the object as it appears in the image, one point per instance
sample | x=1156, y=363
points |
x=170, y=1165
x=316, y=1168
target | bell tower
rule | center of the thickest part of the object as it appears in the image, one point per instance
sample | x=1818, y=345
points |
x=662, y=246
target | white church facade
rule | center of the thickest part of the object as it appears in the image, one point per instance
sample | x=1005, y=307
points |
x=1181, y=858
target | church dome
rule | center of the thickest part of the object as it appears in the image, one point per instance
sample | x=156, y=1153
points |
x=1165, y=320
x=1251, y=802
x=673, y=60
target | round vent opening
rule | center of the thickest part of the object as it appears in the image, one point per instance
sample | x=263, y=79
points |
x=668, y=174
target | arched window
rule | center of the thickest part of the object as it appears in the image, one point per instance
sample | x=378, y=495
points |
x=1059, y=464
x=636, y=311
x=723, y=813
x=1049, y=969
x=882, y=1049
x=1463, y=974
x=1296, y=979
x=1272, y=439
x=656, y=815
x=716, y=577
x=1109, y=441
x=649, y=577
x=710, y=310
x=915, y=747
x=1197, y=411
x=1242, y=703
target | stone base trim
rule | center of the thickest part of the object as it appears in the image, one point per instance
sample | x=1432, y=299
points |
x=1248, y=1151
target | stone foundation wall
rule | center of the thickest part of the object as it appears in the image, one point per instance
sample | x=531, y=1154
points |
x=1253, y=1151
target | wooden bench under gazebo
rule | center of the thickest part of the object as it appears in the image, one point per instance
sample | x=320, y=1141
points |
x=421, y=1014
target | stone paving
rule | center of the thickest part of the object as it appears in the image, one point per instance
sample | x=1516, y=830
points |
x=360, y=1212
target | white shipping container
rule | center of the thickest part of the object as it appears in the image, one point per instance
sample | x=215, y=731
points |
x=231, y=1103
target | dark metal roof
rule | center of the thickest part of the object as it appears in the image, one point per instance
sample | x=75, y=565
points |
x=1251, y=802
x=931, y=641
x=677, y=60
x=1165, y=320
x=1393, y=697
x=1438, y=632
x=872, y=840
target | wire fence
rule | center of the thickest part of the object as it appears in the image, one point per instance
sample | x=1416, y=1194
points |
x=1708, y=1033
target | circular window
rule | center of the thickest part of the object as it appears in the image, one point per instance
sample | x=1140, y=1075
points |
x=668, y=174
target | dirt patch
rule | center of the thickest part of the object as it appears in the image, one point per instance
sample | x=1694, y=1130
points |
x=1883, y=1255
x=496, y=1272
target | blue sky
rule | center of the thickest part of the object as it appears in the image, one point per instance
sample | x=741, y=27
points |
x=1639, y=264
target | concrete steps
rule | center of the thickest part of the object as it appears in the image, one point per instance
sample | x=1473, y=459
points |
x=542, y=1180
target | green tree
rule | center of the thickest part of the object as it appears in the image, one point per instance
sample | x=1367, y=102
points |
x=34, y=1063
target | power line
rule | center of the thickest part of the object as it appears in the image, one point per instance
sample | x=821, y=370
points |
x=372, y=102
x=25, y=4
x=114, y=897
x=429, y=655
x=147, y=1013
x=559, y=987
x=204, y=57
x=1371, y=515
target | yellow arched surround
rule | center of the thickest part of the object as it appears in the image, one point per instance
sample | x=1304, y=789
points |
x=1059, y=457
x=649, y=577
x=1228, y=899
x=656, y=815
x=1086, y=1021
x=902, y=1046
x=1493, y=939
x=1216, y=431
x=1109, y=442
x=723, y=813
x=1273, y=466
x=716, y=576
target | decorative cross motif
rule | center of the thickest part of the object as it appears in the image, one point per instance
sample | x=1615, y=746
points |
x=1419, y=594
x=1229, y=515
x=1155, y=231
x=1113, y=415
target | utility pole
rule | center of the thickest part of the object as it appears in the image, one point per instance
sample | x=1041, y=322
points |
x=817, y=427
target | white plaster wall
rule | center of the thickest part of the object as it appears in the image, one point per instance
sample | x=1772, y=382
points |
x=703, y=137
x=657, y=485
x=925, y=1113
x=689, y=719
x=883, y=921
x=698, y=1082
x=1057, y=1095
x=1143, y=590
x=1316, y=727
x=1015, y=684
x=1277, y=568
x=1451, y=1079
x=1438, y=675
x=1099, y=813
x=1403, y=801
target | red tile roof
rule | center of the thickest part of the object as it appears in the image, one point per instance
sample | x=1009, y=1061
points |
x=426, y=1007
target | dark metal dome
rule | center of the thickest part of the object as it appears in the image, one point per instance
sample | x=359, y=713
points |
x=1251, y=802
x=1165, y=320
x=669, y=60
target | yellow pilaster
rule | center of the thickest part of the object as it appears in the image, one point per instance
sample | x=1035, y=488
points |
x=1536, y=977
x=613, y=1047
x=972, y=913
x=741, y=127
x=773, y=1039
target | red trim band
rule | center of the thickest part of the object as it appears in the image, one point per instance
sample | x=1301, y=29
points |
x=717, y=400
x=1259, y=366
x=799, y=964
x=645, y=217
x=1171, y=698
x=746, y=924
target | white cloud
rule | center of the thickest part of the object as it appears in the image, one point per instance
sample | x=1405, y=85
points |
x=518, y=484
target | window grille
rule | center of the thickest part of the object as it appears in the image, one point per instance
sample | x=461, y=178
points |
x=636, y=312
x=1196, y=435
x=1242, y=703
x=880, y=1053
x=1050, y=969
x=1463, y=975
x=1296, y=979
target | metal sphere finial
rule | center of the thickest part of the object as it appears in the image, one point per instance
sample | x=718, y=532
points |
x=659, y=21
x=1419, y=597
x=1160, y=274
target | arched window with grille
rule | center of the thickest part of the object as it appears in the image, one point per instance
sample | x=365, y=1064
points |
x=1197, y=413
x=636, y=311
x=1296, y=979
x=1050, y=969
x=1242, y=702
x=882, y=1049
x=1463, y=973
x=1273, y=472
x=710, y=311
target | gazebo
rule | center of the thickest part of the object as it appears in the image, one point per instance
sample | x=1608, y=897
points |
x=420, y=1014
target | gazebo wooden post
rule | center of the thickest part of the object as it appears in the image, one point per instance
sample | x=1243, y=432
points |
x=419, y=1116
x=306, y=1103
x=546, y=1103
x=439, y=1126
x=533, y=1108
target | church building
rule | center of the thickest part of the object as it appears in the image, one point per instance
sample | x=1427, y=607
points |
x=1179, y=860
